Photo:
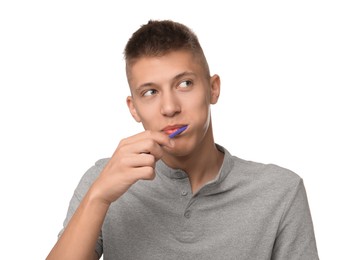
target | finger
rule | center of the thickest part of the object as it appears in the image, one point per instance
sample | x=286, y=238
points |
x=148, y=144
x=139, y=160
x=161, y=138
x=144, y=173
x=142, y=147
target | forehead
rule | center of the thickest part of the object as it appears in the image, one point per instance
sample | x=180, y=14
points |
x=158, y=69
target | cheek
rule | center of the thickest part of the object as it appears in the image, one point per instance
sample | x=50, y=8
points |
x=147, y=116
x=197, y=100
x=199, y=110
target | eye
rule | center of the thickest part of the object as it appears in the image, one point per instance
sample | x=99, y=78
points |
x=149, y=92
x=185, y=83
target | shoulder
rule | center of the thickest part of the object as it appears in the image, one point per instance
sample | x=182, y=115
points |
x=270, y=176
x=269, y=185
x=93, y=172
x=268, y=170
x=263, y=175
x=90, y=176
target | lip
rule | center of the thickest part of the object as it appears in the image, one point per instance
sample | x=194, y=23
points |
x=171, y=128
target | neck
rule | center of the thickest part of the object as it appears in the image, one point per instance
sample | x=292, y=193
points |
x=202, y=165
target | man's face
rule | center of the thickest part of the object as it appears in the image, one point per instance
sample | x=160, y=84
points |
x=173, y=91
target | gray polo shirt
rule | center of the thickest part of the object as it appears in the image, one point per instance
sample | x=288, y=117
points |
x=250, y=211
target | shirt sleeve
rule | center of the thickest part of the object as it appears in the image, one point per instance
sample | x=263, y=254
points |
x=81, y=190
x=295, y=238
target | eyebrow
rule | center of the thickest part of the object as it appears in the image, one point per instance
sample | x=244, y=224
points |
x=183, y=74
x=177, y=77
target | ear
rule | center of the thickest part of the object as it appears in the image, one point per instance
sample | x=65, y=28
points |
x=215, y=85
x=132, y=109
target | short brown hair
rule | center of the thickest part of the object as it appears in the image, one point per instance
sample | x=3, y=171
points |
x=157, y=38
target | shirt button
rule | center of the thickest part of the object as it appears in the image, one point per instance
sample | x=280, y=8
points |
x=184, y=193
x=187, y=214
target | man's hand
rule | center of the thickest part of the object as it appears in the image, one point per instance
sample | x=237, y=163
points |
x=133, y=160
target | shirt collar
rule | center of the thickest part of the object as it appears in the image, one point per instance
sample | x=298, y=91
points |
x=171, y=173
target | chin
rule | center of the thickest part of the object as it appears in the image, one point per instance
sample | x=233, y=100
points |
x=178, y=151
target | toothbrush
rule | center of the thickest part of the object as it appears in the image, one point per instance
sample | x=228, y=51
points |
x=179, y=131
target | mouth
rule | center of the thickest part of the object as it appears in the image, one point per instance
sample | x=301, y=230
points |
x=174, y=130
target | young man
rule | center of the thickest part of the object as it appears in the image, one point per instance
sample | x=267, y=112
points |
x=170, y=195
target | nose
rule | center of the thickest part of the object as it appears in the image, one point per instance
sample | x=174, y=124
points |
x=170, y=105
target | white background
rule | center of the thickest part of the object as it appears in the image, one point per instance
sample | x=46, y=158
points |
x=292, y=74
